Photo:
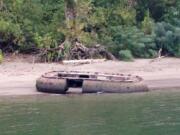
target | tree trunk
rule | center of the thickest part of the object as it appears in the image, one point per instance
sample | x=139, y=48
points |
x=1, y=5
x=70, y=14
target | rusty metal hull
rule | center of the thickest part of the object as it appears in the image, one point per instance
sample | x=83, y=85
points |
x=60, y=81
x=90, y=86
x=51, y=85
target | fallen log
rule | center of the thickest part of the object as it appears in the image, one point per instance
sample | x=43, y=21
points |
x=79, y=62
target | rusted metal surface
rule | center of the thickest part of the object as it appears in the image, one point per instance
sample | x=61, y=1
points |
x=90, y=86
x=92, y=76
x=91, y=82
x=51, y=85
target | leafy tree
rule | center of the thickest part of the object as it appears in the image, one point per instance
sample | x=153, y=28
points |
x=148, y=24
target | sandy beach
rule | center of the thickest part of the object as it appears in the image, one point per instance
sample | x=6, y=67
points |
x=18, y=74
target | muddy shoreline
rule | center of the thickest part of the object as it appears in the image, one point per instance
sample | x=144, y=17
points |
x=19, y=74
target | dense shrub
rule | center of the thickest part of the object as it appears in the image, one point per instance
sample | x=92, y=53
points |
x=46, y=43
x=173, y=13
x=125, y=55
x=10, y=35
x=157, y=9
x=168, y=38
x=134, y=40
x=147, y=24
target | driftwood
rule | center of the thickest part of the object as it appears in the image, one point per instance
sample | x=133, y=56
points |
x=78, y=52
x=157, y=59
x=159, y=56
x=79, y=62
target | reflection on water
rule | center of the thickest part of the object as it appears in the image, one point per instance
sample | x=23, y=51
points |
x=155, y=113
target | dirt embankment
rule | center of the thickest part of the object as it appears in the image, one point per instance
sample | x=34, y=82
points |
x=18, y=74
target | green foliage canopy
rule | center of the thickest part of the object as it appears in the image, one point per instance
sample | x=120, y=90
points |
x=140, y=27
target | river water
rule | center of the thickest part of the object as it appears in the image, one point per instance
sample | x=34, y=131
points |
x=153, y=113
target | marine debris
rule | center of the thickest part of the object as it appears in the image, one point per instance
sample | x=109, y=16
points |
x=90, y=82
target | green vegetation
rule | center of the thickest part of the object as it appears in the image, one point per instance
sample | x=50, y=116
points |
x=1, y=56
x=127, y=28
x=126, y=55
